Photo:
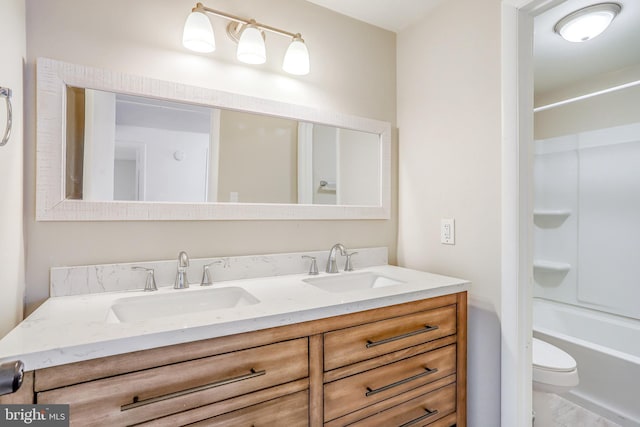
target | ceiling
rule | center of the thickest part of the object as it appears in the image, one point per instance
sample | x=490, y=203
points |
x=557, y=62
x=392, y=15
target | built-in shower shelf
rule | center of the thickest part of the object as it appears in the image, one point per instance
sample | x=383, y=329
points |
x=552, y=213
x=550, y=218
x=552, y=266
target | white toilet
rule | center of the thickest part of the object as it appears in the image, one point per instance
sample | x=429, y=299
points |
x=554, y=371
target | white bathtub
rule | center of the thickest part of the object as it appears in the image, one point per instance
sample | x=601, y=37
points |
x=607, y=350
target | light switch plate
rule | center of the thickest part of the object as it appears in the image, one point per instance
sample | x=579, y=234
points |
x=448, y=231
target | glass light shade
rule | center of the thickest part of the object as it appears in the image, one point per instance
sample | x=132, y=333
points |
x=296, y=59
x=198, y=33
x=251, y=48
x=587, y=23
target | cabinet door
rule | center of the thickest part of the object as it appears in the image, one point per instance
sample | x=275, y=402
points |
x=417, y=412
x=351, y=345
x=287, y=411
x=369, y=387
x=153, y=393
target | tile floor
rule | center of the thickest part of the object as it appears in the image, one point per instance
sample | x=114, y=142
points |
x=564, y=413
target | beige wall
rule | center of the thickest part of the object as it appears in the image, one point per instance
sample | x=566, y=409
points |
x=353, y=71
x=12, y=39
x=258, y=158
x=449, y=120
x=600, y=112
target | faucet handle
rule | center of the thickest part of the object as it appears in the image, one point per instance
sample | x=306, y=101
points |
x=313, y=268
x=206, y=274
x=348, y=266
x=150, y=283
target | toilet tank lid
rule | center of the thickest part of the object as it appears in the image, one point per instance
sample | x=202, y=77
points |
x=550, y=357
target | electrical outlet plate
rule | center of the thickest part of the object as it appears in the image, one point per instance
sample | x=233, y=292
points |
x=447, y=231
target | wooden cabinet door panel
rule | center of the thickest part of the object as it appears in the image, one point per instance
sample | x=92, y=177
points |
x=286, y=411
x=357, y=343
x=417, y=412
x=140, y=396
x=367, y=388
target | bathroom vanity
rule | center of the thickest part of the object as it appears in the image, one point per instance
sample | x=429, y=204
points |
x=382, y=356
x=263, y=343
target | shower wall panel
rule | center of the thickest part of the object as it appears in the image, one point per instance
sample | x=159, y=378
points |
x=555, y=219
x=587, y=220
x=609, y=227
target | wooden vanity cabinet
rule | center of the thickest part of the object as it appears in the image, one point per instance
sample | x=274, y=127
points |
x=162, y=391
x=403, y=370
x=401, y=365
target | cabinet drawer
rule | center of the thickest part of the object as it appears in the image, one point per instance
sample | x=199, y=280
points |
x=157, y=392
x=346, y=346
x=367, y=388
x=289, y=411
x=421, y=411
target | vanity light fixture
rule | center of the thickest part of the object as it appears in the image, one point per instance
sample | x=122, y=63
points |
x=251, y=48
x=249, y=34
x=587, y=23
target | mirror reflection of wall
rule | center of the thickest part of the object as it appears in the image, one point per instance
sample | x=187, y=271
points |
x=260, y=158
x=132, y=148
x=345, y=165
x=358, y=168
x=119, y=148
x=324, y=146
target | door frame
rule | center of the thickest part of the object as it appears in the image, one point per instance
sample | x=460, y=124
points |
x=517, y=207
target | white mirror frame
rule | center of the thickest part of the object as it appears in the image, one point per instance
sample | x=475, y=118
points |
x=51, y=205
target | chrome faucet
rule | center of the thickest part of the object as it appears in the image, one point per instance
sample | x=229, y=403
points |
x=332, y=266
x=150, y=283
x=181, y=277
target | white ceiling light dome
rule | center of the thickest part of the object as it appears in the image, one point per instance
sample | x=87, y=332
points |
x=296, y=59
x=198, y=33
x=251, y=47
x=586, y=23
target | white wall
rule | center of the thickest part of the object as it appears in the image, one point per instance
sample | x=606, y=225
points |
x=12, y=37
x=353, y=71
x=165, y=177
x=449, y=120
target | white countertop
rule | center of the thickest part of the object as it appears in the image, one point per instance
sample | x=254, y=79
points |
x=75, y=328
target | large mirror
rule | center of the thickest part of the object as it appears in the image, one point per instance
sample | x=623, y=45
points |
x=118, y=147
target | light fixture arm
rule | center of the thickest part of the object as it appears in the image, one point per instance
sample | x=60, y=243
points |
x=202, y=8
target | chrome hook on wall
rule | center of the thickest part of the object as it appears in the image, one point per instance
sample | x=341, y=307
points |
x=5, y=93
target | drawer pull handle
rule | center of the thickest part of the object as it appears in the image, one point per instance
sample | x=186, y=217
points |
x=427, y=328
x=137, y=404
x=371, y=392
x=422, y=418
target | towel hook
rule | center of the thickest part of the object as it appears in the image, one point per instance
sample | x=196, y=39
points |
x=5, y=93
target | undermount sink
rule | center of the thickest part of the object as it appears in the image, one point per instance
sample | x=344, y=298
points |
x=178, y=303
x=347, y=282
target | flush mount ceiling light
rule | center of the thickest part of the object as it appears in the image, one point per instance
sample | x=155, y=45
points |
x=587, y=23
x=249, y=34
